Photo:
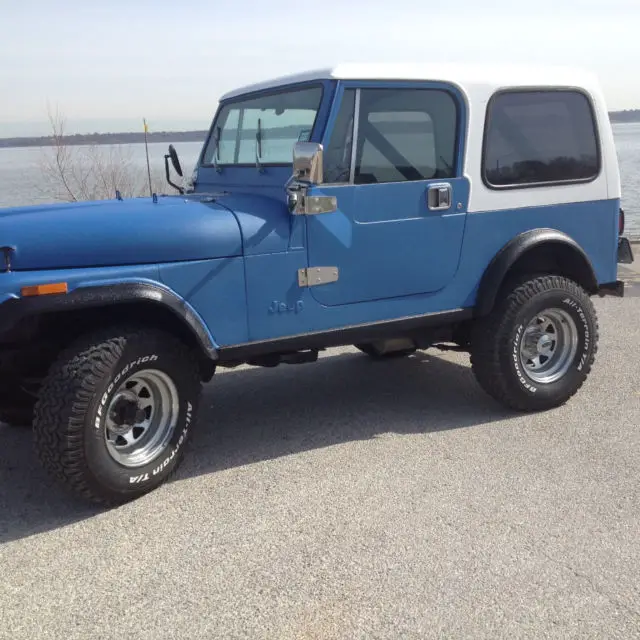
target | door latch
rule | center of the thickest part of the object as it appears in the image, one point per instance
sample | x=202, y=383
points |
x=439, y=196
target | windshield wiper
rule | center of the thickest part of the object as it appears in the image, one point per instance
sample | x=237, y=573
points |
x=216, y=153
x=259, y=146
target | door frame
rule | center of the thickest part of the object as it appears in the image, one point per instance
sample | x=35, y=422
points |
x=336, y=223
x=459, y=97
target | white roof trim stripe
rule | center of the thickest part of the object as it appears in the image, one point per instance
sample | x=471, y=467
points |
x=465, y=76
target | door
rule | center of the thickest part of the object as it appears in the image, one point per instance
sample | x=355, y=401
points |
x=391, y=159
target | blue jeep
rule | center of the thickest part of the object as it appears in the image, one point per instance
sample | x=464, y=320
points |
x=393, y=208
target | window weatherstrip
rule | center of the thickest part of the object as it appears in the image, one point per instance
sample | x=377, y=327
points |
x=236, y=151
x=354, y=137
x=512, y=186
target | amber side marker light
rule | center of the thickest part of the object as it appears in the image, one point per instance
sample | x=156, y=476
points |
x=45, y=289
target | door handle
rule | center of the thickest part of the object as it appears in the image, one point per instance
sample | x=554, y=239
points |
x=439, y=196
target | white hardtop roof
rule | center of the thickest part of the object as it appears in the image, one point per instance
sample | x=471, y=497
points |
x=466, y=76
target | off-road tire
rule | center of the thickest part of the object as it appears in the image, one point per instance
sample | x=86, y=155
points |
x=372, y=352
x=69, y=416
x=495, y=343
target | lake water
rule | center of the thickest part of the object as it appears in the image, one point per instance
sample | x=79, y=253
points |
x=22, y=183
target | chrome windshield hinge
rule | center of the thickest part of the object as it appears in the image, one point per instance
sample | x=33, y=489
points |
x=320, y=204
x=314, y=276
x=301, y=204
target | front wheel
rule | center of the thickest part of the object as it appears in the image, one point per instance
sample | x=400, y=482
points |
x=536, y=348
x=115, y=412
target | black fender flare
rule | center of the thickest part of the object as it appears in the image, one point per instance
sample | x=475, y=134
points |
x=13, y=311
x=502, y=262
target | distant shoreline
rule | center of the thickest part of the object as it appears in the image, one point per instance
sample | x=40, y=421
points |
x=630, y=115
x=616, y=117
x=105, y=138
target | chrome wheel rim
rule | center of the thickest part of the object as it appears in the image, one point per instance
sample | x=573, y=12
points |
x=548, y=346
x=141, y=418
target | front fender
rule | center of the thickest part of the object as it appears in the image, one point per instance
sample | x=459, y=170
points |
x=17, y=309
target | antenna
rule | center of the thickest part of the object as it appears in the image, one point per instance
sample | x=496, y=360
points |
x=146, y=147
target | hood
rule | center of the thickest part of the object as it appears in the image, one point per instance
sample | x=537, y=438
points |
x=118, y=232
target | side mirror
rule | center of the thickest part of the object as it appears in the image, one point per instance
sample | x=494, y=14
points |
x=175, y=161
x=307, y=172
x=173, y=156
x=307, y=162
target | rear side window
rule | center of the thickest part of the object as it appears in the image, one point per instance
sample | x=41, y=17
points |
x=538, y=138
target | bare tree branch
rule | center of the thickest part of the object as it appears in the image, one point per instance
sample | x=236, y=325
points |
x=92, y=172
x=61, y=154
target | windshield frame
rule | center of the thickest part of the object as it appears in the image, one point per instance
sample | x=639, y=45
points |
x=290, y=88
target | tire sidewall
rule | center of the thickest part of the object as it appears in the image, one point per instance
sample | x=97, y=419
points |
x=109, y=474
x=579, y=308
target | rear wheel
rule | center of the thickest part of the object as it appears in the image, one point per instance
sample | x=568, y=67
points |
x=115, y=413
x=536, y=348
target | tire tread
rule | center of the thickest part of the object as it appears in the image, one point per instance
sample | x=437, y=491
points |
x=66, y=395
x=488, y=347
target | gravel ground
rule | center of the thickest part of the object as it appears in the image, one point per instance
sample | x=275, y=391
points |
x=352, y=499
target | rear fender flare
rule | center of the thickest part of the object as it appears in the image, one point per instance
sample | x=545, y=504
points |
x=518, y=247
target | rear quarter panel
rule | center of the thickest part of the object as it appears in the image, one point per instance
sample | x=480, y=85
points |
x=587, y=212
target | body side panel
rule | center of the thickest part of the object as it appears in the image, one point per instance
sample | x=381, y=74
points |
x=274, y=277
x=587, y=223
x=265, y=223
x=216, y=290
x=417, y=252
x=276, y=305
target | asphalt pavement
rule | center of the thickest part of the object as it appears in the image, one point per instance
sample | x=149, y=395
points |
x=352, y=499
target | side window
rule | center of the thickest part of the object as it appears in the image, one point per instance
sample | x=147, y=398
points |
x=405, y=134
x=337, y=155
x=540, y=137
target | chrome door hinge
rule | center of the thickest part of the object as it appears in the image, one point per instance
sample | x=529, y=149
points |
x=301, y=204
x=313, y=276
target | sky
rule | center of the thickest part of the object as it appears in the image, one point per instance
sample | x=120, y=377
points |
x=106, y=65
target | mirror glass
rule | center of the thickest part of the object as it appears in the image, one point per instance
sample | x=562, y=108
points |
x=307, y=162
x=173, y=154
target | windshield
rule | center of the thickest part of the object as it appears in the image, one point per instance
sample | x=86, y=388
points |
x=266, y=128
